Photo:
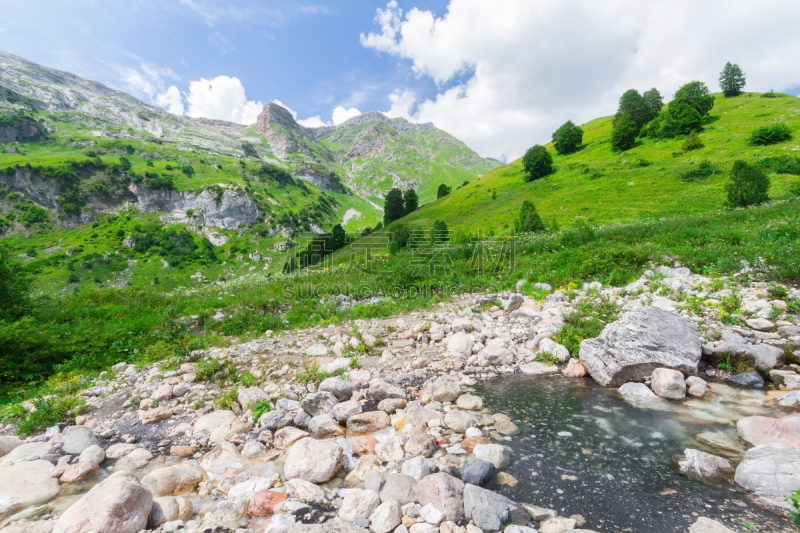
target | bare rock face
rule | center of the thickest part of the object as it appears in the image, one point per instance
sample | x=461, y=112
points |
x=120, y=504
x=641, y=341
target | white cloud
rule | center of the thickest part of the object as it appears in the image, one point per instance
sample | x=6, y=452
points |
x=402, y=102
x=222, y=98
x=146, y=80
x=312, y=122
x=172, y=100
x=340, y=114
x=522, y=68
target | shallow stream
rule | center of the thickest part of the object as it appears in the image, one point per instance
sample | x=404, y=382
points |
x=583, y=450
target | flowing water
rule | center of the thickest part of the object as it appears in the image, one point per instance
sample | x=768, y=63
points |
x=583, y=450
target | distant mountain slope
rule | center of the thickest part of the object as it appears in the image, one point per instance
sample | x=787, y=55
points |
x=644, y=183
x=372, y=153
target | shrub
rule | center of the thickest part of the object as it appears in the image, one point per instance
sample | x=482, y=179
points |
x=731, y=80
x=124, y=164
x=443, y=191
x=641, y=109
x=748, y=186
x=156, y=181
x=529, y=219
x=782, y=164
x=794, y=190
x=680, y=119
x=696, y=95
x=188, y=170
x=538, y=162
x=693, y=142
x=765, y=135
x=623, y=134
x=15, y=287
x=207, y=368
x=261, y=407
x=702, y=171
x=567, y=138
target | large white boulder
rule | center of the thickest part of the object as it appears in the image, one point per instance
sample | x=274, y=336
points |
x=313, y=460
x=25, y=484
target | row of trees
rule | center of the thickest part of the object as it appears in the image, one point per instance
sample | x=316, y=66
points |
x=398, y=204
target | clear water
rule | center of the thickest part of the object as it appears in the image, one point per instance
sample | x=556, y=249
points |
x=583, y=450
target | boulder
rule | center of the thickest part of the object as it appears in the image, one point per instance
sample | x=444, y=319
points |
x=720, y=441
x=785, y=379
x=168, y=509
x=30, y=451
x=26, y=484
x=421, y=445
x=390, y=405
x=762, y=430
x=668, y=383
x=706, y=525
x=444, y=492
x=304, y=490
x=489, y=510
x=641, y=341
x=285, y=437
x=155, y=415
x=400, y=488
x=77, y=439
x=555, y=349
x=416, y=467
x=313, y=460
x=80, y=471
x=477, y=472
x=120, y=504
x=558, y=525
x=762, y=356
x=537, y=368
x=469, y=402
x=768, y=473
x=497, y=454
x=470, y=442
x=638, y=394
x=338, y=387
x=163, y=393
x=282, y=523
x=386, y=517
x=324, y=427
x=760, y=324
x=574, y=370
x=359, y=504
x=459, y=421
x=460, y=344
x=702, y=466
x=444, y=390
x=416, y=414
x=696, y=387
x=174, y=480
x=344, y=410
x=514, y=302
x=749, y=380
x=495, y=356
x=318, y=403
x=263, y=502
x=212, y=428
x=367, y=423
x=380, y=390
x=504, y=425
x=134, y=460
x=119, y=450
x=789, y=401
x=9, y=443
x=390, y=449
x=276, y=419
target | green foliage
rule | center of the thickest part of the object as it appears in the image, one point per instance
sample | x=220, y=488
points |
x=153, y=180
x=537, y=162
x=705, y=169
x=32, y=214
x=338, y=238
x=547, y=358
x=748, y=185
x=260, y=409
x=567, y=138
x=782, y=164
x=206, y=369
x=586, y=322
x=393, y=206
x=247, y=379
x=696, y=95
x=411, y=201
x=124, y=164
x=680, y=118
x=624, y=133
x=313, y=374
x=47, y=413
x=188, y=170
x=654, y=101
x=227, y=400
x=638, y=108
x=176, y=247
x=794, y=500
x=443, y=191
x=15, y=287
x=400, y=235
x=692, y=142
x=731, y=80
x=275, y=174
x=774, y=134
x=439, y=232
x=528, y=219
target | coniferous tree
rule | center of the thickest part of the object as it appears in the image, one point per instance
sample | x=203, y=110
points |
x=411, y=200
x=731, y=80
x=538, y=162
x=567, y=138
x=338, y=238
x=749, y=185
x=393, y=206
x=528, y=219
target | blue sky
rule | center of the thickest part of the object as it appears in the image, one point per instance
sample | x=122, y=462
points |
x=499, y=75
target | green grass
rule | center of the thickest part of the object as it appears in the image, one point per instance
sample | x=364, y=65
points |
x=601, y=187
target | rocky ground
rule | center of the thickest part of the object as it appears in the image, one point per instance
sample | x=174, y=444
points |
x=302, y=440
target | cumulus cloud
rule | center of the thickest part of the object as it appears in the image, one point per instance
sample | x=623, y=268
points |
x=341, y=114
x=312, y=122
x=147, y=80
x=510, y=72
x=221, y=98
x=172, y=100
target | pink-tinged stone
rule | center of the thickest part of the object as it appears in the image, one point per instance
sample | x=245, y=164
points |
x=762, y=430
x=575, y=371
x=80, y=471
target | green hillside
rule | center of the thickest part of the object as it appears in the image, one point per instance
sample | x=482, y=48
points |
x=644, y=183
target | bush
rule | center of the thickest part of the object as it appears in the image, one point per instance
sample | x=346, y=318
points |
x=124, y=164
x=794, y=190
x=443, y=191
x=623, y=134
x=704, y=170
x=680, y=119
x=538, y=162
x=693, y=142
x=782, y=164
x=749, y=185
x=568, y=138
x=529, y=219
x=28, y=350
x=774, y=134
x=696, y=95
x=15, y=287
x=156, y=181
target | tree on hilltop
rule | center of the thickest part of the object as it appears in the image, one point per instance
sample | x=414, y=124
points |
x=654, y=101
x=695, y=94
x=393, y=206
x=567, y=138
x=731, y=80
x=538, y=162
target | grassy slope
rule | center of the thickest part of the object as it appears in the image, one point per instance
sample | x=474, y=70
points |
x=606, y=188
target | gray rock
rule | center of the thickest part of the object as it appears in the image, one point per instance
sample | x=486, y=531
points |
x=7, y=444
x=460, y=344
x=768, y=474
x=424, y=445
x=276, y=419
x=469, y=402
x=668, y=383
x=696, y=387
x=638, y=393
x=702, y=466
x=211, y=429
x=324, y=427
x=313, y=460
x=790, y=401
x=390, y=405
x=514, y=302
x=380, y=390
x=416, y=414
x=460, y=420
x=400, y=488
x=706, y=525
x=762, y=356
x=445, y=390
x=30, y=451
x=495, y=356
x=750, y=380
x=374, y=480
x=504, y=425
x=497, y=454
x=249, y=396
x=25, y=484
x=287, y=436
x=477, y=472
x=760, y=324
x=78, y=438
x=416, y=467
x=280, y=523
x=319, y=403
x=720, y=441
x=386, y=517
x=445, y=492
x=489, y=510
x=358, y=503
x=641, y=341
x=787, y=379
x=553, y=348
x=338, y=387
x=342, y=411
